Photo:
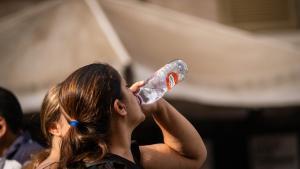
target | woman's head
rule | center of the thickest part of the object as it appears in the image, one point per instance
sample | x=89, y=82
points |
x=50, y=114
x=87, y=96
x=91, y=95
x=53, y=123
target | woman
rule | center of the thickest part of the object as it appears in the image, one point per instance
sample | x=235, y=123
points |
x=103, y=112
x=54, y=126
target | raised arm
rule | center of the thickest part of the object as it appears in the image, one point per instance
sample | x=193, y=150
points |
x=183, y=147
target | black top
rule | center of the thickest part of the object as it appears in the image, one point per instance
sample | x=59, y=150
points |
x=113, y=161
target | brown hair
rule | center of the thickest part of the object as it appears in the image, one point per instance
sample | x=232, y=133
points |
x=87, y=96
x=49, y=114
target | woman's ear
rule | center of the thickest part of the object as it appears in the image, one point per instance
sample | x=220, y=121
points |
x=3, y=127
x=55, y=129
x=120, y=107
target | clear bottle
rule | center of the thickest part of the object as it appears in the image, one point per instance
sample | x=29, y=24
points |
x=162, y=81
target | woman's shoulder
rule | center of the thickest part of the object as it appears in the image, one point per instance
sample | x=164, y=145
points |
x=48, y=165
x=112, y=161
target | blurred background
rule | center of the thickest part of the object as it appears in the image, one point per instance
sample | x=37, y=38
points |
x=242, y=91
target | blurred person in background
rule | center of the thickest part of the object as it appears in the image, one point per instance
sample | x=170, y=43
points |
x=53, y=125
x=15, y=144
x=9, y=164
x=103, y=112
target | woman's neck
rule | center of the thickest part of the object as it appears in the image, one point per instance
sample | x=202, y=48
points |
x=56, y=147
x=120, y=143
x=54, y=155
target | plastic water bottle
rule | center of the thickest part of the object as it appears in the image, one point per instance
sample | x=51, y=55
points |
x=162, y=81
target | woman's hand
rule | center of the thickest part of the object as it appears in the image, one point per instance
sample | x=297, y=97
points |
x=136, y=86
x=155, y=107
x=147, y=108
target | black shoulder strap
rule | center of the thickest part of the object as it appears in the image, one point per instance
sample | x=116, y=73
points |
x=103, y=164
x=136, y=152
x=109, y=163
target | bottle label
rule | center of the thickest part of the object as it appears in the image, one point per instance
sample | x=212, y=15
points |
x=172, y=80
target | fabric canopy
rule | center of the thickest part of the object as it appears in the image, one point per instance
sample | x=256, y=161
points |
x=227, y=66
x=43, y=43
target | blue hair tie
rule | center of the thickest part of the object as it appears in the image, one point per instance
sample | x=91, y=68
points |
x=74, y=123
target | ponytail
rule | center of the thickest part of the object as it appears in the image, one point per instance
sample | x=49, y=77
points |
x=80, y=145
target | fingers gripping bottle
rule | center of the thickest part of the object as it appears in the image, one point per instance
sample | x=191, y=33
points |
x=162, y=81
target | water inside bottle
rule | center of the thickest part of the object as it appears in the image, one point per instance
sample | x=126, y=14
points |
x=161, y=81
x=150, y=95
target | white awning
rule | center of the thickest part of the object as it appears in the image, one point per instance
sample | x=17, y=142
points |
x=41, y=45
x=227, y=66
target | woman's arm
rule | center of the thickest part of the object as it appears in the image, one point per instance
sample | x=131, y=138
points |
x=182, y=148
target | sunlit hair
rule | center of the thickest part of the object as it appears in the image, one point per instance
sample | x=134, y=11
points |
x=50, y=112
x=49, y=115
x=87, y=96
